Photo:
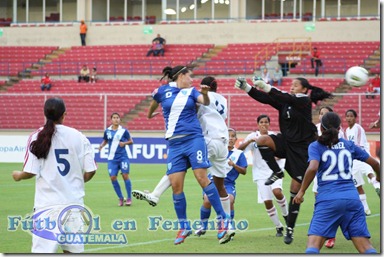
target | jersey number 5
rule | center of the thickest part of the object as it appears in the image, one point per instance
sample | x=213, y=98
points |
x=63, y=161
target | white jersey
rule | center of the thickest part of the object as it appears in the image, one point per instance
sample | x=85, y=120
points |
x=357, y=135
x=59, y=177
x=260, y=169
x=341, y=131
x=212, y=117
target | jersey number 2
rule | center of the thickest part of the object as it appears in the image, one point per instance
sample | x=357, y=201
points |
x=63, y=161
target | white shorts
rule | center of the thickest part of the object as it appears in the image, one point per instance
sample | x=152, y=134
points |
x=362, y=167
x=46, y=242
x=264, y=193
x=217, y=155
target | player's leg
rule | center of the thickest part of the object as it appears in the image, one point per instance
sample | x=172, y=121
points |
x=314, y=244
x=124, y=166
x=359, y=182
x=266, y=195
x=268, y=147
x=153, y=198
x=205, y=213
x=277, y=190
x=113, y=169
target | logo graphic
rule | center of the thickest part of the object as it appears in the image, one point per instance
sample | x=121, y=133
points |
x=66, y=224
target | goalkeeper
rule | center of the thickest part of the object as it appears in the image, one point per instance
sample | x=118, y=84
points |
x=296, y=133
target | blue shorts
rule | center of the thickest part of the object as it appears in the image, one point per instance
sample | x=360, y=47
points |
x=346, y=213
x=231, y=190
x=187, y=152
x=115, y=166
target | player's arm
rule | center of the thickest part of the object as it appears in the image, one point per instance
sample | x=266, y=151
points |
x=89, y=175
x=20, y=175
x=102, y=144
x=152, y=109
x=310, y=174
x=245, y=143
x=203, y=98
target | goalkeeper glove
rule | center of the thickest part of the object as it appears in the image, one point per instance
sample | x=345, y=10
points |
x=242, y=84
x=258, y=82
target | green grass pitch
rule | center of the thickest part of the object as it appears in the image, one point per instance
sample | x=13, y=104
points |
x=17, y=199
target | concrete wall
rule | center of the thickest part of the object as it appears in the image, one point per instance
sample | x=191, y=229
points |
x=219, y=34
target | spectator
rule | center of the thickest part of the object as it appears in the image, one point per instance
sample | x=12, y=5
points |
x=156, y=49
x=316, y=60
x=46, y=82
x=265, y=76
x=83, y=32
x=161, y=40
x=375, y=82
x=84, y=74
x=370, y=92
x=277, y=76
x=94, y=75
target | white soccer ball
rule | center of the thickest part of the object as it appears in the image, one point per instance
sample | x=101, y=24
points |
x=356, y=76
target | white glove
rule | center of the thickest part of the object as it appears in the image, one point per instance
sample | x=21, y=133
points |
x=258, y=82
x=242, y=84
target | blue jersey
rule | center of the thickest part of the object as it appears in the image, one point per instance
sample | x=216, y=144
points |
x=179, y=109
x=335, y=165
x=238, y=157
x=114, y=137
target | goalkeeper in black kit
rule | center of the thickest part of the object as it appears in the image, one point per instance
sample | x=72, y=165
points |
x=296, y=133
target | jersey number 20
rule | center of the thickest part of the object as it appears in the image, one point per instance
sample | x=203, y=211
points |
x=339, y=161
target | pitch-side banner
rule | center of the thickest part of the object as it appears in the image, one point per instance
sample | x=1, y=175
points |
x=144, y=149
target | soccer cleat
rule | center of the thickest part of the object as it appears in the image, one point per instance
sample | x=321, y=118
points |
x=128, y=202
x=367, y=212
x=121, y=202
x=288, y=238
x=200, y=232
x=274, y=177
x=152, y=200
x=225, y=233
x=182, y=235
x=330, y=243
x=279, y=232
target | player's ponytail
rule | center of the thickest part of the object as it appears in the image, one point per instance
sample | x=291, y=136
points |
x=317, y=94
x=54, y=109
x=330, y=125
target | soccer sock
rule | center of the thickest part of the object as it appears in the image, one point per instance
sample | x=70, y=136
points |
x=180, y=205
x=232, y=214
x=226, y=203
x=293, y=212
x=204, y=216
x=116, y=186
x=269, y=157
x=161, y=187
x=272, y=213
x=372, y=250
x=363, y=199
x=128, y=187
x=283, y=206
x=312, y=250
x=214, y=199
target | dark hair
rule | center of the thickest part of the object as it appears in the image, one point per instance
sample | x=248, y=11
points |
x=232, y=130
x=352, y=111
x=211, y=82
x=115, y=113
x=173, y=73
x=317, y=94
x=330, y=122
x=54, y=109
x=262, y=116
x=326, y=107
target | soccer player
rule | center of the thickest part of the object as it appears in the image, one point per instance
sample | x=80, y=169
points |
x=117, y=138
x=187, y=147
x=237, y=164
x=212, y=120
x=297, y=132
x=62, y=160
x=356, y=134
x=261, y=172
x=330, y=243
x=337, y=202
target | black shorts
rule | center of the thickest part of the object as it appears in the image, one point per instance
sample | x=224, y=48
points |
x=296, y=155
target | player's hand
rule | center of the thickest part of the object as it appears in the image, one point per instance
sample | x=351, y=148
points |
x=154, y=114
x=16, y=175
x=299, y=198
x=204, y=89
x=242, y=84
x=258, y=82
